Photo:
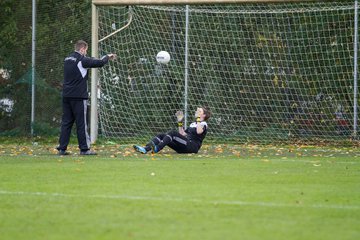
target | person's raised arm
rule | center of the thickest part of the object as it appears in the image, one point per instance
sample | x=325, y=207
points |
x=180, y=119
x=88, y=62
x=199, y=127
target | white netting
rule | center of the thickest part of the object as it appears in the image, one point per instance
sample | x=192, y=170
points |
x=267, y=71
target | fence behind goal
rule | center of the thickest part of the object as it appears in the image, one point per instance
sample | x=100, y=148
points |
x=268, y=72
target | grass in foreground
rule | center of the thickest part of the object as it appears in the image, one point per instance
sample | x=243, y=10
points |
x=225, y=192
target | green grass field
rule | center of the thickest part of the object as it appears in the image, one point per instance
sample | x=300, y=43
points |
x=224, y=192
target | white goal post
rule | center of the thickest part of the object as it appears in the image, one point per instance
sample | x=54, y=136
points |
x=269, y=70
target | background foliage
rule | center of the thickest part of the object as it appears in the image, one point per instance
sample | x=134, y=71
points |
x=59, y=24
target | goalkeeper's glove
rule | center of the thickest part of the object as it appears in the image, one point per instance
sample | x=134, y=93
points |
x=180, y=118
x=197, y=115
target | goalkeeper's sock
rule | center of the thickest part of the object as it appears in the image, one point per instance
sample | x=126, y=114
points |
x=154, y=148
x=155, y=141
x=148, y=147
x=166, y=140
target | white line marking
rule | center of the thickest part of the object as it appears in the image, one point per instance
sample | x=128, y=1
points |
x=219, y=202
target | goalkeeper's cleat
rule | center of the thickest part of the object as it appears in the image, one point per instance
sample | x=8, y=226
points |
x=140, y=149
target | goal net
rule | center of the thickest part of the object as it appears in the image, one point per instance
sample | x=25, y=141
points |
x=268, y=72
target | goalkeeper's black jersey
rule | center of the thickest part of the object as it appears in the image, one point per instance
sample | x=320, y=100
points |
x=192, y=134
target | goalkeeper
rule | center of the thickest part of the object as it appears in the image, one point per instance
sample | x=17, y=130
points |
x=187, y=140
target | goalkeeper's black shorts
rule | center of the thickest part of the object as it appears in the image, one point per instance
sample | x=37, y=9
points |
x=180, y=143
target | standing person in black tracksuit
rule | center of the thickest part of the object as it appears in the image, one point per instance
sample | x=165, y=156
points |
x=187, y=140
x=75, y=96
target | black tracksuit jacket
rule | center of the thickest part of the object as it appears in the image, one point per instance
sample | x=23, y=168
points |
x=76, y=74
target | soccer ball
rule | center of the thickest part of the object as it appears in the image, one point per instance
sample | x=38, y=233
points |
x=163, y=57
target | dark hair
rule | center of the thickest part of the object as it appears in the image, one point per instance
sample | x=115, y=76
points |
x=207, y=113
x=80, y=44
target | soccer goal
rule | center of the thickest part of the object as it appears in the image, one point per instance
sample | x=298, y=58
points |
x=268, y=70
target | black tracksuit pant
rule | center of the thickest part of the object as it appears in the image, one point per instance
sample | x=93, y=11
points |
x=74, y=110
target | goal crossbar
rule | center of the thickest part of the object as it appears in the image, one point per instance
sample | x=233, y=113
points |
x=186, y=2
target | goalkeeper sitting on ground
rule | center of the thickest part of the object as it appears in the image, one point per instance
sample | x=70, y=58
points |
x=183, y=141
